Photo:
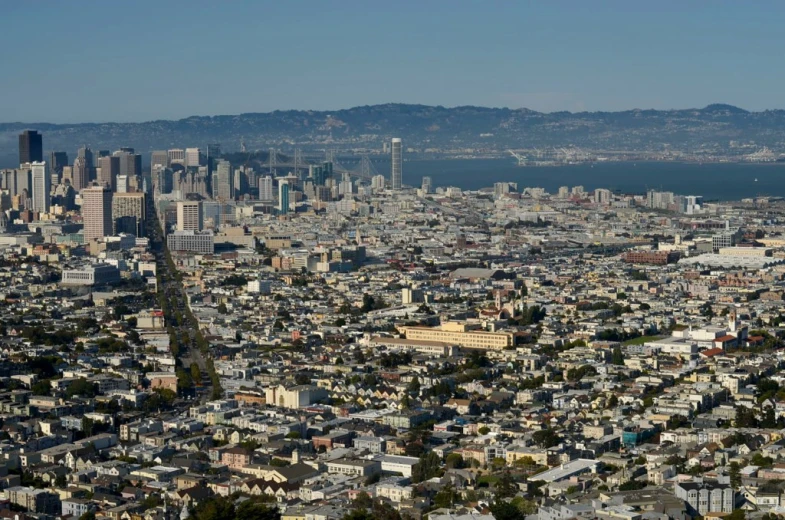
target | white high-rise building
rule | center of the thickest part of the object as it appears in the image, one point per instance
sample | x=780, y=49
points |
x=122, y=184
x=177, y=155
x=192, y=157
x=189, y=216
x=266, y=192
x=378, y=182
x=42, y=185
x=97, y=212
x=396, y=176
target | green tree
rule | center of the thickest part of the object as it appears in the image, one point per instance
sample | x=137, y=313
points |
x=81, y=387
x=546, y=438
x=196, y=374
x=256, y=509
x=734, y=474
x=502, y=510
x=216, y=508
x=484, y=430
x=617, y=358
x=414, y=385
x=453, y=461
x=505, y=487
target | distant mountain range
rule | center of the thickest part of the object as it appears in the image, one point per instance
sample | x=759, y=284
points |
x=709, y=129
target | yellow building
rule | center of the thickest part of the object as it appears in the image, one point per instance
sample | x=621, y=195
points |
x=461, y=334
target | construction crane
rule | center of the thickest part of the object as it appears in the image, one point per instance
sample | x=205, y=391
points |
x=520, y=158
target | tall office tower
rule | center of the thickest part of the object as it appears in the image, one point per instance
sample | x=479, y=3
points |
x=80, y=174
x=159, y=157
x=42, y=187
x=31, y=147
x=130, y=162
x=192, y=157
x=96, y=212
x=68, y=175
x=57, y=161
x=378, y=182
x=266, y=188
x=189, y=216
x=240, y=183
x=283, y=198
x=176, y=155
x=163, y=178
x=564, y=192
x=346, y=188
x=223, y=185
x=130, y=205
x=396, y=177
x=317, y=174
x=123, y=185
x=328, y=170
x=427, y=187
x=87, y=154
x=110, y=169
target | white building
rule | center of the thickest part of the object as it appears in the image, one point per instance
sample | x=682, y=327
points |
x=42, y=185
x=396, y=176
x=266, y=189
x=202, y=242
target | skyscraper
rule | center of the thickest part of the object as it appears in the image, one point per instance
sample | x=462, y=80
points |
x=283, y=198
x=130, y=162
x=110, y=169
x=192, y=157
x=224, y=180
x=427, y=186
x=80, y=174
x=31, y=147
x=189, y=216
x=396, y=177
x=42, y=186
x=159, y=157
x=266, y=188
x=96, y=212
x=129, y=205
x=87, y=154
x=57, y=161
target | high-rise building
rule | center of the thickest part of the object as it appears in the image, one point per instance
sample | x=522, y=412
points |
x=31, y=147
x=266, y=188
x=159, y=157
x=224, y=180
x=163, y=178
x=378, y=182
x=177, y=155
x=80, y=173
x=42, y=187
x=396, y=177
x=427, y=186
x=110, y=169
x=129, y=205
x=283, y=198
x=189, y=216
x=123, y=184
x=87, y=154
x=130, y=162
x=192, y=157
x=57, y=161
x=96, y=212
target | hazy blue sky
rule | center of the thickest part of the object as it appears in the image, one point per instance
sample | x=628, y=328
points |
x=141, y=60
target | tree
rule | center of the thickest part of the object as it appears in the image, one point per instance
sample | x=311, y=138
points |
x=505, y=486
x=484, y=430
x=426, y=468
x=546, y=438
x=414, y=385
x=453, y=461
x=526, y=507
x=81, y=387
x=222, y=308
x=88, y=516
x=255, y=509
x=363, y=501
x=617, y=358
x=446, y=497
x=734, y=475
x=196, y=374
x=505, y=511
x=216, y=508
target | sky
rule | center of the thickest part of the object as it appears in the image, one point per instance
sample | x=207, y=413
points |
x=98, y=60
